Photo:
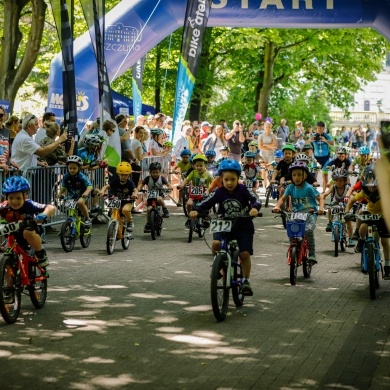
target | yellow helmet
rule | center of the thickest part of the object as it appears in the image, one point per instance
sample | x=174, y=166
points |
x=124, y=168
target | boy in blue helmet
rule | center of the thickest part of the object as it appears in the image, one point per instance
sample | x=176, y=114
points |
x=211, y=165
x=251, y=171
x=234, y=200
x=17, y=207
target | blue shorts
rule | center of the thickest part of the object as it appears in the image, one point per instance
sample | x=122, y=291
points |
x=244, y=239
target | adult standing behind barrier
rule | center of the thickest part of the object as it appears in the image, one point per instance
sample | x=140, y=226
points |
x=234, y=139
x=41, y=133
x=182, y=143
x=14, y=126
x=58, y=155
x=124, y=136
x=25, y=150
x=321, y=142
x=215, y=141
x=138, y=152
x=267, y=144
x=283, y=131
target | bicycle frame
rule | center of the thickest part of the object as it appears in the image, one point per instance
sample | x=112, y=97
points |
x=229, y=248
x=371, y=229
x=337, y=212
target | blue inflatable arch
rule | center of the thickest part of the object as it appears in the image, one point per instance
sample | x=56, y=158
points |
x=134, y=27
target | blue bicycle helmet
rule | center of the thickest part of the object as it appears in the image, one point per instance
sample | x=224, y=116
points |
x=249, y=155
x=364, y=150
x=192, y=157
x=278, y=154
x=185, y=152
x=211, y=153
x=16, y=184
x=229, y=165
x=154, y=166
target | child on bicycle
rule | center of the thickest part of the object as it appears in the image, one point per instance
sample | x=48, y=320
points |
x=251, y=169
x=338, y=192
x=78, y=186
x=212, y=165
x=282, y=168
x=90, y=155
x=155, y=181
x=17, y=207
x=224, y=150
x=304, y=198
x=370, y=192
x=254, y=148
x=123, y=188
x=362, y=160
x=200, y=177
x=234, y=200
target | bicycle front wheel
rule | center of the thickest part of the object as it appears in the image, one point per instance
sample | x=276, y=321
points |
x=306, y=266
x=336, y=236
x=191, y=226
x=219, y=291
x=153, y=224
x=293, y=265
x=268, y=194
x=10, y=294
x=238, y=296
x=67, y=238
x=185, y=198
x=38, y=286
x=111, y=237
x=85, y=236
x=126, y=238
x=372, y=271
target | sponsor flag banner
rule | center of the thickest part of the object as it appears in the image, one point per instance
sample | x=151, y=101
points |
x=195, y=22
x=64, y=24
x=136, y=83
x=94, y=13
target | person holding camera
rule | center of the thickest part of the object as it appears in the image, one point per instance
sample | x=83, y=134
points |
x=321, y=142
x=234, y=139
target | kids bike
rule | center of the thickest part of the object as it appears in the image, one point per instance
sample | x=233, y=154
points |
x=74, y=227
x=339, y=229
x=298, y=250
x=371, y=253
x=19, y=273
x=226, y=272
x=116, y=225
x=198, y=225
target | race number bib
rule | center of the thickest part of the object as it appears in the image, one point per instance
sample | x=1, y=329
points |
x=197, y=191
x=10, y=228
x=249, y=184
x=71, y=204
x=153, y=194
x=300, y=216
x=220, y=226
x=369, y=217
x=114, y=203
x=336, y=210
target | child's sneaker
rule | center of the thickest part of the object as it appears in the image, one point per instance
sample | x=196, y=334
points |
x=246, y=288
x=312, y=259
x=42, y=258
x=87, y=224
x=130, y=227
x=165, y=212
x=359, y=246
x=328, y=227
x=147, y=228
x=350, y=243
x=188, y=223
x=387, y=272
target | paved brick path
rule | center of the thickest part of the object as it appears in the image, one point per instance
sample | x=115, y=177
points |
x=141, y=319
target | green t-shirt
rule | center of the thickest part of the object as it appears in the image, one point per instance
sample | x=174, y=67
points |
x=203, y=180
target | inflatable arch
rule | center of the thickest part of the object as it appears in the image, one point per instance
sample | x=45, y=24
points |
x=134, y=27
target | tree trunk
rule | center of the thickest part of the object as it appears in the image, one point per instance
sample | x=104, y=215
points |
x=157, y=87
x=268, y=79
x=13, y=70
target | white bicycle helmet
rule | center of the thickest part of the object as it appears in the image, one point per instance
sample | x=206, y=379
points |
x=302, y=157
x=74, y=159
x=92, y=140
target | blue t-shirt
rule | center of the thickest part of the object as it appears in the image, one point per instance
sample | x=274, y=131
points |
x=303, y=199
x=321, y=149
x=76, y=184
x=87, y=156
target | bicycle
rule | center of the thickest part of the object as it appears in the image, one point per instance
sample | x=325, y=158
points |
x=272, y=189
x=155, y=212
x=298, y=250
x=371, y=253
x=19, y=272
x=339, y=229
x=196, y=193
x=74, y=227
x=226, y=272
x=116, y=226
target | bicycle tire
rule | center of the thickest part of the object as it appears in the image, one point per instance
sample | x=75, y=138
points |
x=306, y=266
x=268, y=195
x=153, y=222
x=67, y=239
x=371, y=265
x=191, y=226
x=218, y=290
x=159, y=225
x=238, y=296
x=85, y=236
x=111, y=237
x=125, y=241
x=201, y=230
x=185, y=200
x=11, y=293
x=343, y=242
x=336, y=238
x=293, y=265
x=38, y=286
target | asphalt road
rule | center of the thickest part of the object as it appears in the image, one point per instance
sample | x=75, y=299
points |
x=141, y=319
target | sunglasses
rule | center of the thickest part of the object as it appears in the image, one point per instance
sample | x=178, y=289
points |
x=1, y=115
x=32, y=118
